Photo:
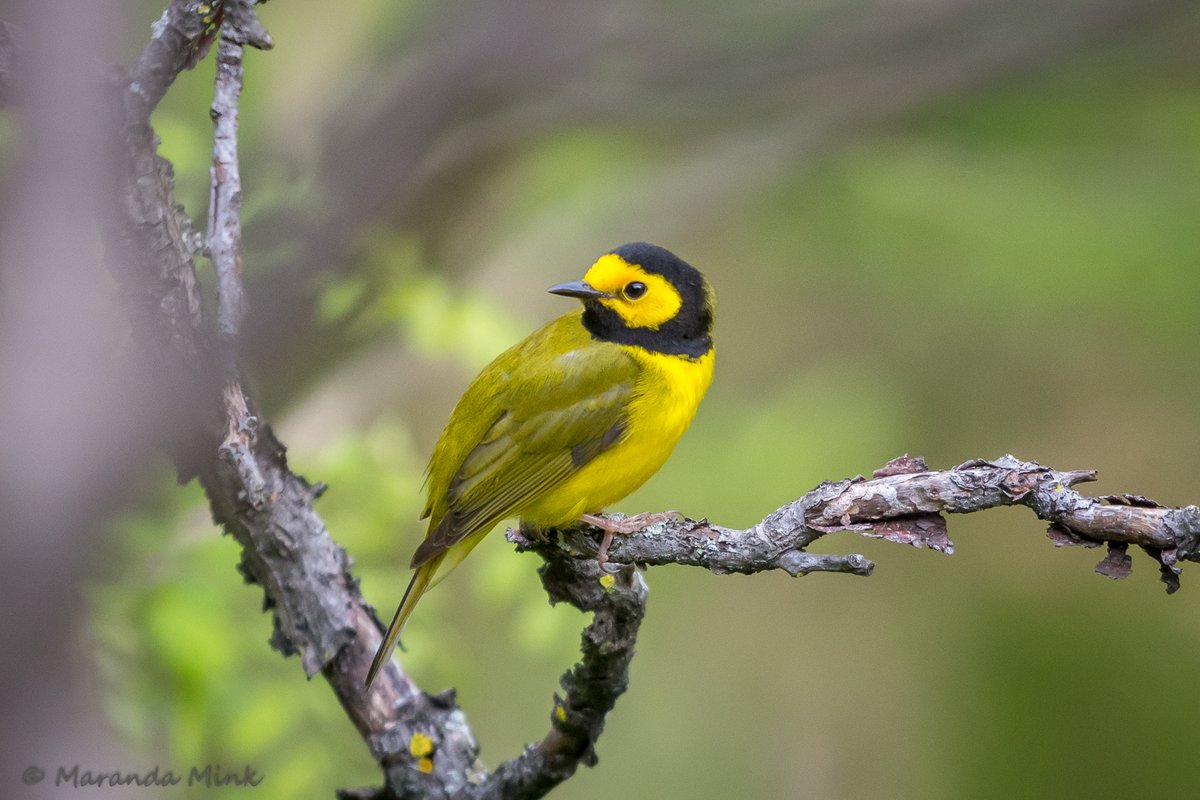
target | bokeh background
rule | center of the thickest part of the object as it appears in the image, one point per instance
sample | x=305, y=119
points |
x=954, y=228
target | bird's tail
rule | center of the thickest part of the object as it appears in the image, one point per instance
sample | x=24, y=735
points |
x=416, y=587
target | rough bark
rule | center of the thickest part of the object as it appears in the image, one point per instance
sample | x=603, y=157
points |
x=904, y=502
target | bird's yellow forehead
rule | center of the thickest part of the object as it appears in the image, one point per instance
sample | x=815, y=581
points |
x=613, y=274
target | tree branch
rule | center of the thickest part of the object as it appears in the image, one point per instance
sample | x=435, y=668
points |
x=904, y=502
x=180, y=39
x=592, y=687
x=225, y=199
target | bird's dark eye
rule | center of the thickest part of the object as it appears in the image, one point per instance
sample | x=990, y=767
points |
x=634, y=290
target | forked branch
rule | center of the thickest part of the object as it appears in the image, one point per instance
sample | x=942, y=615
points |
x=904, y=502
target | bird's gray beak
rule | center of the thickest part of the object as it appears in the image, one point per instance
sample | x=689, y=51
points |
x=578, y=289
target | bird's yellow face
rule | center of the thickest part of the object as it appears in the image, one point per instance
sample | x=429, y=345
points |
x=642, y=299
x=643, y=296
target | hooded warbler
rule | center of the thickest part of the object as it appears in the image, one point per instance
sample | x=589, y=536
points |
x=574, y=417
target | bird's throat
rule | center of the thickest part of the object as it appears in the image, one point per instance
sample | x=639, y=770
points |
x=678, y=337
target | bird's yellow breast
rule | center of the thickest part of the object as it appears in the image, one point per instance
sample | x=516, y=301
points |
x=666, y=395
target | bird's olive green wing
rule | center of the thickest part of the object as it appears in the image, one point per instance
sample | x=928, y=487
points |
x=553, y=403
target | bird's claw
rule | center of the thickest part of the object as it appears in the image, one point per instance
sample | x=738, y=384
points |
x=602, y=552
x=624, y=526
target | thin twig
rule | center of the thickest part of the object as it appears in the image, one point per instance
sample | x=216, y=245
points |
x=225, y=197
x=225, y=250
x=239, y=26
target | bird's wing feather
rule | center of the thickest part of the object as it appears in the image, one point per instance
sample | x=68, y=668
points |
x=552, y=404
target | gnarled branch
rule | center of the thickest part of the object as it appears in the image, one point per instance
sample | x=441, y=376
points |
x=904, y=502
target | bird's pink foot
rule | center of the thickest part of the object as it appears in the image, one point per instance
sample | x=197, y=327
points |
x=624, y=526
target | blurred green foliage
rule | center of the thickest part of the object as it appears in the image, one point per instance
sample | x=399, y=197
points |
x=1011, y=269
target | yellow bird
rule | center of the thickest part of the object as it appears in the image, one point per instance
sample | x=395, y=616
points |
x=574, y=417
